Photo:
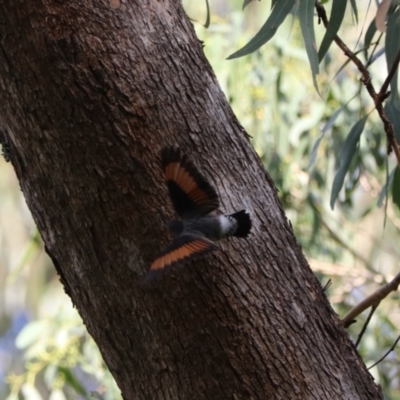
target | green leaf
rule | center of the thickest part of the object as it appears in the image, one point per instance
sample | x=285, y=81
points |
x=315, y=151
x=72, y=380
x=392, y=109
x=354, y=8
x=369, y=35
x=392, y=45
x=396, y=188
x=278, y=15
x=306, y=16
x=348, y=150
x=386, y=188
x=207, y=23
x=325, y=129
x=335, y=21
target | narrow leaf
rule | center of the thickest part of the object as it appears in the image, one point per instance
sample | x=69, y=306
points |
x=396, y=188
x=392, y=108
x=335, y=21
x=368, y=37
x=386, y=188
x=346, y=155
x=72, y=380
x=392, y=45
x=325, y=129
x=207, y=23
x=278, y=15
x=381, y=13
x=306, y=16
x=354, y=8
x=334, y=116
x=315, y=150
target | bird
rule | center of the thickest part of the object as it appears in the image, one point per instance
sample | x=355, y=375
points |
x=196, y=202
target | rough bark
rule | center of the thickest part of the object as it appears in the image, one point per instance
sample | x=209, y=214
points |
x=90, y=92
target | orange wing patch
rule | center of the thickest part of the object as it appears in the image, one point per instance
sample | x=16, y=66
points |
x=182, y=249
x=190, y=192
x=177, y=173
x=181, y=253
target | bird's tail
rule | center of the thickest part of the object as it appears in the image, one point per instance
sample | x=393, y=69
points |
x=243, y=223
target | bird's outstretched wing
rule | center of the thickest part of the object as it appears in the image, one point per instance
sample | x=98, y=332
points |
x=184, y=248
x=191, y=195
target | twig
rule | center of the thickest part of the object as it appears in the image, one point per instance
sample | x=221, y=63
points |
x=364, y=328
x=386, y=354
x=373, y=300
x=327, y=285
x=366, y=79
x=382, y=94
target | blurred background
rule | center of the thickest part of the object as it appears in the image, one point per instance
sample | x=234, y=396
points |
x=45, y=351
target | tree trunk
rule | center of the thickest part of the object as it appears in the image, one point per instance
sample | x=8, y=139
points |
x=91, y=90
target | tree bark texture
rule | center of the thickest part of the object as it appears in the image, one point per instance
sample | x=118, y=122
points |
x=91, y=90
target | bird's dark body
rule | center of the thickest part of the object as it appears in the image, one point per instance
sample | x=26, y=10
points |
x=196, y=202
x=208, y=226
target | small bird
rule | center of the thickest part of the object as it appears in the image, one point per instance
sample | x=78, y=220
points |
x=196, y=202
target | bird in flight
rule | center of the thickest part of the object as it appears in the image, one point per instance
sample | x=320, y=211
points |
x=196, y=202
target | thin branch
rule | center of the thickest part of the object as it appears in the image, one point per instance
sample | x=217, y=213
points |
x=386, y=354
x=373, y=300
x=366, y=79
x=388, y=79
x=327, y=285
x=364, y=328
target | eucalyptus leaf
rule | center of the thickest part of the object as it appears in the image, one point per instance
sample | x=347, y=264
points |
x=386, y=188
x=346, y=155
x=335, y=21
x=392, y=44
x=392, y=109
x=268, y=30
x=354, y=8
x=306, y=16
x=396, y=187
x=207, y=23
x=325, y=129
x=72, y=380
x=369, y=35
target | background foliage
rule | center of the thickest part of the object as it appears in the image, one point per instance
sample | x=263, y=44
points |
x=300, y=134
